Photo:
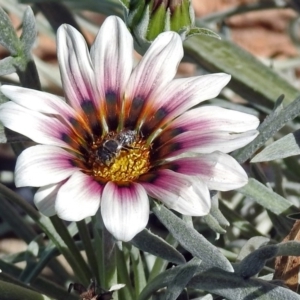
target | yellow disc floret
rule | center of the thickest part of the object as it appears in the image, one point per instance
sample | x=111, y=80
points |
x=126, y=166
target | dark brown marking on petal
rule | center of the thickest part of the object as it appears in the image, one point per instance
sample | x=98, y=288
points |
x=69, y=139
x=80, y=130
x=134, y=111
x=152, y=123
x=91, y=113
x=112, y=110
x=149, y=177
x=170, y=166
x=166, y=136
x=165, y=151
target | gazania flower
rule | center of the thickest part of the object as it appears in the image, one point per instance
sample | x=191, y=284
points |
x=125, y=133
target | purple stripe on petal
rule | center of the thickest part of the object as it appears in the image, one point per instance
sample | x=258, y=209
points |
x=38, y=101
x=185, y=194
x=218, y=170
x=40, y=128
x=75, y=66
x=204, y=143
x=112, y=55
x=124, y=209
x=157, y=68
x=212, y=118
x=180, y=95
x=43, y=165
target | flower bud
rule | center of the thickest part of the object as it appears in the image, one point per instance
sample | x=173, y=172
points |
x=148, y=18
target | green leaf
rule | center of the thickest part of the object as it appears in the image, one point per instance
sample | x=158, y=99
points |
x=215, y=219
x=233, y=287
x=31, y=258
x=290, y=248
x=8, y=36
x=7, y=65
x=287, y=146
x=181, y=279
x=250, y=78
x=273, y=123
x=253, y=263
x=138, y=270
x=267, y=198
x=235, y=220
x=252, y=244
x=18, y=224
x=192, y=240
x=9, y=291
x=29, y=32
x=201, y=31
x=149, y=242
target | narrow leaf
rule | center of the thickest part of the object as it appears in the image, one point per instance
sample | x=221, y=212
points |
x=255, y=261
x=268, y=128
x=252, y=244
x=8, y=36
x=149, y=242
x=192, y=240
x=285, y=147
x=7, y=66
x=250, y=78
x=29, y=32
x=233, y=287
x=176, y=286
x=267, y=198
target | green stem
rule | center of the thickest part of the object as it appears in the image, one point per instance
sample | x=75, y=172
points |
x=21, y=228
x=110, y=261
x=10, y=272
x=72, y=248
x=97, y=232
x=88, y=246
x=127, y=291
x=47, y=227
x=9, y=291
x=138, y=270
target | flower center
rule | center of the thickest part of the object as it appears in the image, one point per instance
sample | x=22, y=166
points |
x=119, y=157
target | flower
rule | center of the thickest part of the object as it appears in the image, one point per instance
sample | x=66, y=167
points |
x=125, y=133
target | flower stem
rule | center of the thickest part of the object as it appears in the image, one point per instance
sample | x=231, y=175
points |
x=68, y=240
x=10, y=291
x=88, y=246
x=48, y=228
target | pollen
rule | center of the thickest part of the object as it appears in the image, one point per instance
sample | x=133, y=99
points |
x=130, y=163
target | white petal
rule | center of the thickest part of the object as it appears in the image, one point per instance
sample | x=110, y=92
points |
x=218, y=170
x=116, y=287
x=76, y=68
x=209, y=142
x=125, y=210
x=181, y=94
x=78, y=198
x=157, y=67
x=185, y=194
x=44, y=199
x=43, y=165
x=112, y=55
x=38, y=101
x=213, y=118
x=38, y=127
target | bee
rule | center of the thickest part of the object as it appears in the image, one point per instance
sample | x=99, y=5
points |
x=91, y=292
x=111, y=147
